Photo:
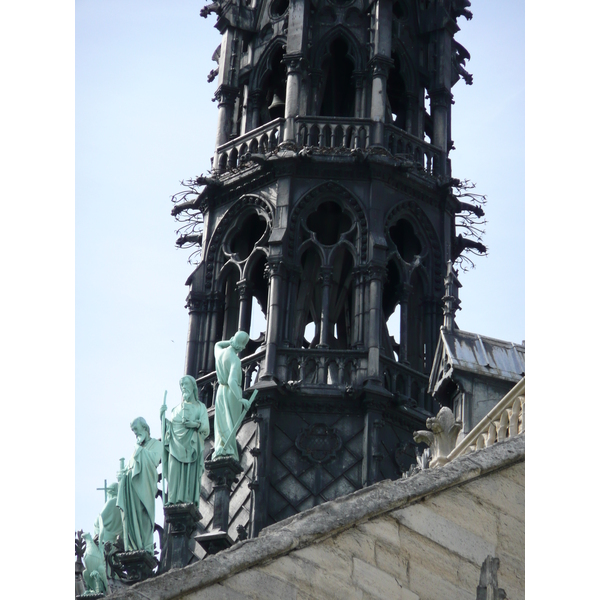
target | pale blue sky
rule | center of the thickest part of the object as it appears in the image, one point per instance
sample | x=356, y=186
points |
x=145, y=120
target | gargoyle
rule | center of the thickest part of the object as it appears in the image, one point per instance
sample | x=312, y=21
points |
x=442, y=437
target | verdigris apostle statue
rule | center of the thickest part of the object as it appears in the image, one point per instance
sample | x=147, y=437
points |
x=94, y=575
x=229, y=403
x=137, y=490
x=184, y=435
x=109, y=522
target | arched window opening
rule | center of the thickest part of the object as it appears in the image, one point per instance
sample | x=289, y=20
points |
x=340, y=320
x=329, y=222
x=427, y=120
x=416, y=348
x=278, y=8
x=246, y=235
x=338, y=92
x=308, y=303
x=231, y=306
x=273, y=89
x=397, y=102
x=258, y=322
x=258, y=289
x=391, y=307
x=405, y=240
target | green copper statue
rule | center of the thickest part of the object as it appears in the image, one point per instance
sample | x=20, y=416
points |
x=184, y=435
x=94, y=575
x=137, y=490
x=229, y=403
x=109, y=523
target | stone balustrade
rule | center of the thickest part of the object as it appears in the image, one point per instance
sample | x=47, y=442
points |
x=261, y=140
x=400, y=143
x=336, y=369
x=333, y=132
x=329, y=133
x=505, y=420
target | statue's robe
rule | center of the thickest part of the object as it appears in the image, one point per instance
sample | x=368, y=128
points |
x=110, y=523
x=183, y=462
x=137, y=494
x=228, y=406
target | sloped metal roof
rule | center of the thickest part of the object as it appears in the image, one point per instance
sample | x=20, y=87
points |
x=476, y=353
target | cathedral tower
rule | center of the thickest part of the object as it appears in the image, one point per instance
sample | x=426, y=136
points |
x=328, y=208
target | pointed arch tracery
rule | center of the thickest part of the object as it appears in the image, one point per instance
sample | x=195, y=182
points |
x=327, y=241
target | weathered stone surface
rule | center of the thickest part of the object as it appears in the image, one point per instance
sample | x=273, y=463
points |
x=325, y=557
x=442, y=531
x=218, y=592
x=258, y=585
x=378, y=583
x=511, y=536
x=428, y=585
x=511, y=576
x=466, y=511
x=310, y=578
x=500, y=492
x=433, y=557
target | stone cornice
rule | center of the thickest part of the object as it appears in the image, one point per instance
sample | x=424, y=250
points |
x=325, y=520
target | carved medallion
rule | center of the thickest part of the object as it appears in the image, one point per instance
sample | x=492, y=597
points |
x=319, y=443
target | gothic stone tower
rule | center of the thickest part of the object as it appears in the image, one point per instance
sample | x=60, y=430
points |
x=328, y=206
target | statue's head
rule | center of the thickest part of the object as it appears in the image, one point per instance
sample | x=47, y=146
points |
x=239, y=341
x=113, y=488
x=189, y=388
x=141, y=430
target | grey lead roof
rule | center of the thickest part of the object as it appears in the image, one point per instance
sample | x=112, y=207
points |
x=487, y=356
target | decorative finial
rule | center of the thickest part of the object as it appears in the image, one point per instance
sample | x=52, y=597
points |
x=451, y=301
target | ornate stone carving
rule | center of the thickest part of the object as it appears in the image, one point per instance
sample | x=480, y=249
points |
x=319, y=443
x=442, y=437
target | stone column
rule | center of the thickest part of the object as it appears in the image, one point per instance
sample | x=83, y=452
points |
x=253, y=110
x=412, y=110
x=359, y=84
x=376, y=275
x=226, y=96
x=213, y=335
x=196, y=305
x=262, y=453
x=380, y=66
x=181, y=521
x=223, y=472
x=326, y=274
x=372, y=455
x=404, y=295
x=358, y=328
x=245, y=291
x=293, y=63
x=275, y=307
x=440, y=109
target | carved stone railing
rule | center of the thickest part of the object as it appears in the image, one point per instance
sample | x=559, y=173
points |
x=330, y=132
x=261, y=140
x=408, y=385
x=336, y=369
x=504, y=421
x=322, y=366
x=400, y=143
x=207, y=384
x=333, y=132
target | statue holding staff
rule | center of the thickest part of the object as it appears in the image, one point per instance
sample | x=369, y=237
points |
x=229, y=403
x=183, y=445
x=137, y=490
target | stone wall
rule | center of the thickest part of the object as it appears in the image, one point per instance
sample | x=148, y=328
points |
x=422, y=538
